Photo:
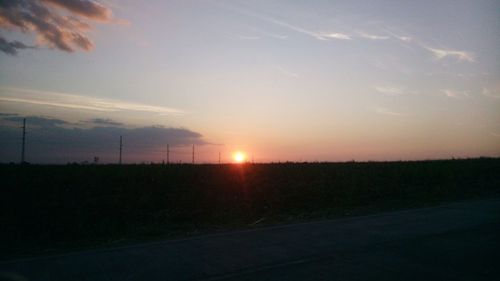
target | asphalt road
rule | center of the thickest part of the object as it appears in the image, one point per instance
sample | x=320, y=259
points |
x=457, y=241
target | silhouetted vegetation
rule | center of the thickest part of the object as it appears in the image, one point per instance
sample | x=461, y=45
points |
x=66, y=206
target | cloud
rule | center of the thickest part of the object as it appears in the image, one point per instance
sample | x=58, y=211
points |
x=49, y=142
x=11, y=47
x=328, y=36
x=286, y=72
x=324, y=36
x=264, y=33
x=446, y=53
x=406, y=39
x=385, y=111
x=273, y=35
x=38, y=121
x=84, y=8
x=449, y=93
x=489, y=94
x=261, y=35
x=70, y=101
x=389, y=90
x=437, y=53
x=7, y=114
x=103, y=121
x=317, y=35
x=66, y=31
x=372, y=37
x=247, y=37
x=292, y=27
x=454, y=94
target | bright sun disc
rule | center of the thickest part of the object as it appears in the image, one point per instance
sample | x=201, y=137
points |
x=239, y=157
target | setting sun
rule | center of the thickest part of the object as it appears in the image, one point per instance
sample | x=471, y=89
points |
x=239, y=157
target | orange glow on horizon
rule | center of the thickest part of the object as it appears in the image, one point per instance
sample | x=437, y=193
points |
x=239, y=157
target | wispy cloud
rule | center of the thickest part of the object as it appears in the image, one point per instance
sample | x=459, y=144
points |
x=449, y=93
x=70, y=101
x=264, y=33
x=389, y=90
x=333, y=35
x=286, y=72
x=489, y=94
x=316, y=35
x=406, y=39
x=385, y=111
x=372, y=36
x=403, y=38
x=437, y=53
x=448, y=53
x=325, y=36
x=454, y=93
x=388, y=33
x=247, y=37
x=275, y=36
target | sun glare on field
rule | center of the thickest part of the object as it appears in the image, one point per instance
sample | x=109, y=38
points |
x=239, y=157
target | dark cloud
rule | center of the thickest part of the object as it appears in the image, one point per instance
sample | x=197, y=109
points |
x=56, y=30
x=38, y=121
x=7, y=114
x=103, y=121
x=49, y=142
x=11, y=47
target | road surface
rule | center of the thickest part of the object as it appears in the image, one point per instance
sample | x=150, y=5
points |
x=457, y=241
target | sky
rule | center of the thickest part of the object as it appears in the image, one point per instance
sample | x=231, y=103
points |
x=279, y=80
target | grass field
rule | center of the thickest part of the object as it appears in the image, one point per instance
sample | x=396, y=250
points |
x=63, y=207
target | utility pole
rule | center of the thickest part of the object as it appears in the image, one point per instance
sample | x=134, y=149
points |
x=168, y=153
x=121, y=147
x=24, y=141
x=193, y=154
x=219, y=157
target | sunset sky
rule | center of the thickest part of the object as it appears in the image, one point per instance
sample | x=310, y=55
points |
x=279, y=80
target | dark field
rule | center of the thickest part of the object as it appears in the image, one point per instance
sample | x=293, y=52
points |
x=65, y=207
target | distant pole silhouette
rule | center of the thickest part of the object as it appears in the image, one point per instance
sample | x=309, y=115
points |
x=168, y=153
x=121, y=148
x=193, y=154
x=24, y=141
x=219, y=157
